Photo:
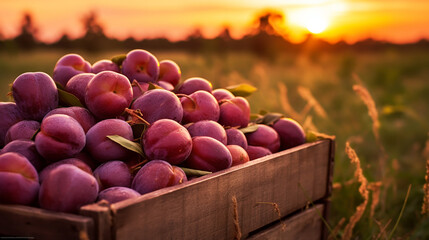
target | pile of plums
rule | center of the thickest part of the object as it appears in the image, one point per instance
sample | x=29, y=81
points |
x=122, y=128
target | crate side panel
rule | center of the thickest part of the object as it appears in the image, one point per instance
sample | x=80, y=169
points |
x=22, y=221
x=306, y=225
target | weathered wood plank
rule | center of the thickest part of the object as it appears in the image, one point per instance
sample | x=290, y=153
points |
x=306, y=225
x=203, y=208
x=22, y=221
x=103, y=220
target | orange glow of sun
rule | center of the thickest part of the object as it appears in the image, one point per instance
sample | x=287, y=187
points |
x=316, y=18
x=315, y=21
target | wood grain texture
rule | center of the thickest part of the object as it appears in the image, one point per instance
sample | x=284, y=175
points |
x=102, y=217
x=203, y=209
x=306, y=225
x=22, y=221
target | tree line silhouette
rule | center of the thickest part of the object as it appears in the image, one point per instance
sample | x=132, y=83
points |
x=267, y=38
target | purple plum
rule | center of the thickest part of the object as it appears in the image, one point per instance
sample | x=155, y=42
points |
x=117, y=194
x=67, y=188
x=208, y=154
x=101, y=148
x=28, y=149
x=157, y=174
x=77, y=85
x=157, y=104
x=194, y=84
x=35, y=94
x=68, y=66
x=200, y=105
x=113, y=174
x=290, y=131
x=108, y=94
x=19, y=181
x=264, y=136
x=208, y=128
x=141, y=65
x=167, y=140
x=60, y=137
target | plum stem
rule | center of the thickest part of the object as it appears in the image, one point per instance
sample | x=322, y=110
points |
x=137, y=114
x=136, y=83
x=180, y=95
x=135, y=168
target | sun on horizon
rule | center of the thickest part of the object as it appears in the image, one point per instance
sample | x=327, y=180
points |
x=315, y=21
x=314, y=18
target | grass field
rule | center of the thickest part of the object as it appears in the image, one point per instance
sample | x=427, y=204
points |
x=398, y=84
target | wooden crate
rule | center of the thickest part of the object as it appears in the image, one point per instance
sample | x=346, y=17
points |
x=216, y=206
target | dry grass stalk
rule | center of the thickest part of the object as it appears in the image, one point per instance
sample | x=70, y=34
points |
x=395, y=164
x=373, y=113
x=425, y=206
x=382, y=229
x=309, y=125
x=277, y=211
x=284, y=101
x=357, y=78
x=363, y=190
x=336, y=229
x=319, y=135
x=372, y=109
x=346, y=183
x=236, y=221
x=375, y=188
x=305, y=93
x=356, y=139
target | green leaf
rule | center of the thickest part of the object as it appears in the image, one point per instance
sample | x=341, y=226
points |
x=153, y=86
x=255, y=118
x=311, y=136
x=242, y=90
x=249, y=129
x=118, y=59
x=194, y=172
x=68, y=99
x=263, y=112
x=271, y=118
x=59, y=86
x=33, y=138
x=130, y=145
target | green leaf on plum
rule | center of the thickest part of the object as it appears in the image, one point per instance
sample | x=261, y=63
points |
x=242, y=90
x=33, y=138
x=194, y=172
x=263, y=112
x=249, y=129
x=255, y=116
x=68, y=99
x=269, y=118
x=59, y=86
x=128, y=144
x=153, y=86
x=118, y=59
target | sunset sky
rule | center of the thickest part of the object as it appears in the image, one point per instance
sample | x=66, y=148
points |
x=333, y=20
